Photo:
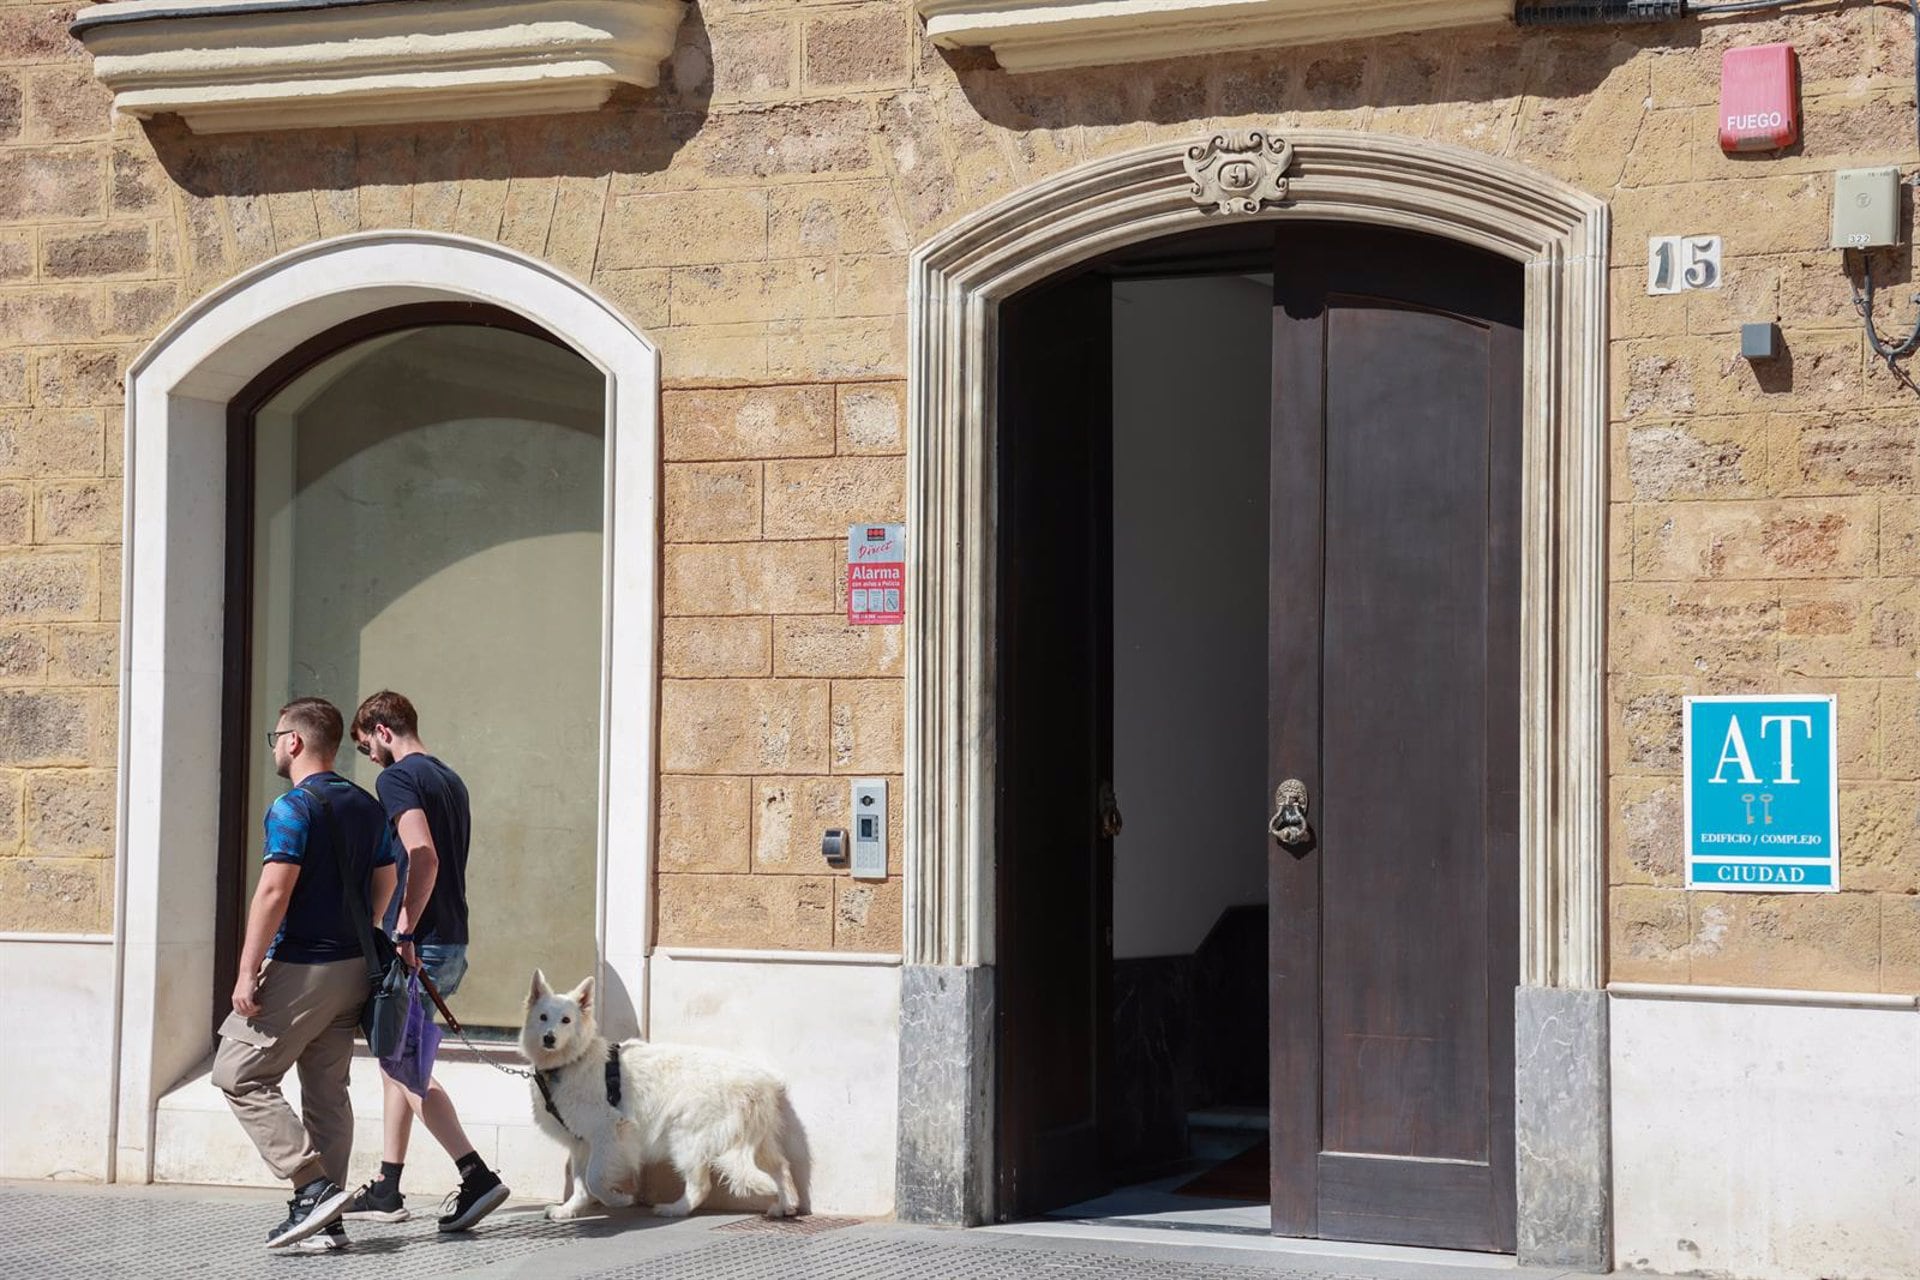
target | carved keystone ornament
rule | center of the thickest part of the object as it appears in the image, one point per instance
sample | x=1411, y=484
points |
x=1239, y=172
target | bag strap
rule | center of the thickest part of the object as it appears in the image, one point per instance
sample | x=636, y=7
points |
x=353, y=892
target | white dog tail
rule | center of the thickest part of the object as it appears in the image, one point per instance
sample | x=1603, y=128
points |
x=761, y=1123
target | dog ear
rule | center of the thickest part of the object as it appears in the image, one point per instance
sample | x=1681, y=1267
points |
x=582, y=995
x=540, y=990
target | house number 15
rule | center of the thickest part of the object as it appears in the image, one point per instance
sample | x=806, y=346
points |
x=1676, y=264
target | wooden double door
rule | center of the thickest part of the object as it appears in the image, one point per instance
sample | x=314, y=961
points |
x=1392, y=698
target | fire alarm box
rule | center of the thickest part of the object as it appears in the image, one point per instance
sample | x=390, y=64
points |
x=1759, y=99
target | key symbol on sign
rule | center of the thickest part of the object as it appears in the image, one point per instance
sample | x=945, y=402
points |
x=1747, y=799
x=1766, y=808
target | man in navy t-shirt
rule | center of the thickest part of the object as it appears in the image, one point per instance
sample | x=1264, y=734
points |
x=427, y=805
x=303, y=976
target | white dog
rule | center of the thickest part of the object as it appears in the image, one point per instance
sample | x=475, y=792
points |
x=700, y=1110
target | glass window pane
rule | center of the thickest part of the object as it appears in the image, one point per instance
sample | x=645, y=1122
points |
x=428, y=518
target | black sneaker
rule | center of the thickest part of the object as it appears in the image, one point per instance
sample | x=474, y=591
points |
x=377, y=1202
x=332, y=1240
x=479, y=1194
x=313, y=1207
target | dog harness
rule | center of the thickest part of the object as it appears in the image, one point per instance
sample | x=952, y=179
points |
x=613, y=1087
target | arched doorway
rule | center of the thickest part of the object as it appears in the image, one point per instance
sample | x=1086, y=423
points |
x=167, y=925
x=959, y=281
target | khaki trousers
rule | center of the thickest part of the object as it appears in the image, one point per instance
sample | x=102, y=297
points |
x=308, y=1016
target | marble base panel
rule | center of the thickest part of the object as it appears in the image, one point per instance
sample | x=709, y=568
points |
x=1563, y=1149
x=943, y=1175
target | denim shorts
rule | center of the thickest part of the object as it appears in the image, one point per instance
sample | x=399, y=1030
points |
x=445, y=963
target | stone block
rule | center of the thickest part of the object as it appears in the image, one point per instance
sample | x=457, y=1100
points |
x=713, y=354
x=790, y=814
x=1880, y=837
x=137, y=183
x=642, y=296
x=706, y=824
x=1763, y=215
x=12, y=107
x=48, y=586
x=1806, y=941
x=787, y=139
x=744, y=292
x=121, y=251
x=16, y=515
x=744, y=726
x=871, y=286
x=708, y=579
x=13, y=378
x=1646, y=836
x=688, y=228
x=33, y=33
x=1651, y=939
x=869, y=726
x=1900, y=943
x=81, y=377
x=56, y=895
x=16, y=254
x=1644, y=736
x=713, y=501
x=1845, y=454
x=709, y=647
x=748, y=422
x=1662, y=149
x=70, y=813
x=109, y=579
x=66, y=104
x=1563, y=1125
x=48, y=727
x=78, y=511
x=51, y=442
x=807, y=499
x=47, y=315
x=773, y=912
x=1789, y=538
x=873, y=418
x=1900, y=727
x=528, y=213
x=1689, y=629
x=825, y=350
x=830, y=646
x=12, y=810
x=867, y=915
x=842, y=218
x=866, y=47
x=23, y=656
x=1834, y=629
x=141, y=310
x=85, y=654
x=753, y=57
x=1900, y=537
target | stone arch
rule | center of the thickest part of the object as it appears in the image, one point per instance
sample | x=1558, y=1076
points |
x=177, y=392
x=958, y=278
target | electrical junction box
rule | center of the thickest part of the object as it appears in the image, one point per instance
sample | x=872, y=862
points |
x=1866, y=208
x=1759, y=98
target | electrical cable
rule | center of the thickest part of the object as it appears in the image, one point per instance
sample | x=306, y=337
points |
x=1890, y=353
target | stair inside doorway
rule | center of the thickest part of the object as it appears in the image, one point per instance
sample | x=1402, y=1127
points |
x=1218, y=1188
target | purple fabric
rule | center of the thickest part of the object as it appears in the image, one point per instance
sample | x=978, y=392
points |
x=412, y=1062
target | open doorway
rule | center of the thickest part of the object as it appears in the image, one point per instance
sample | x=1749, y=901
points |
x=1258, y=509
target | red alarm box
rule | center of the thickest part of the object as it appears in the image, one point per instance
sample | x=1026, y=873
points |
x=1759, y=98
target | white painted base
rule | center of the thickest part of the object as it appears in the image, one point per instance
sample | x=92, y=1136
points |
x=56, y=1058
x=830, y=1029
x=197, y=1140
x=1766, y=1141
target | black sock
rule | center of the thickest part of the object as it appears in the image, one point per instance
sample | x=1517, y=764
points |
x=312, y=1188
x=470, y=1164
x=389, y=1174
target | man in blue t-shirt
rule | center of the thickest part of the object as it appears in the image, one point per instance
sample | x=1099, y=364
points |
x=303, y=976
x=427, y=805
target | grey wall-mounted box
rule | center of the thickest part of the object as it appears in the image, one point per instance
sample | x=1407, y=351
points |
x=1866, y=208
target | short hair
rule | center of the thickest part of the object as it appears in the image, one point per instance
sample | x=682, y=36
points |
x=390, y=709
x=317, y=721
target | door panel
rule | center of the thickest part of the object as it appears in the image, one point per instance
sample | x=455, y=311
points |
x=1394, y=643
x=1054, y=672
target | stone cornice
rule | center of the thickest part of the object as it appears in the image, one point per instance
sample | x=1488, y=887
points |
x=1046, y=35
x=230, y=65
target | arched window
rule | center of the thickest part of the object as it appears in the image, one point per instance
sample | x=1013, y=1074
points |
x=417, y=502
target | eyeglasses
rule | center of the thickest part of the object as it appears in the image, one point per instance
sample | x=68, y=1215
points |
x=364, y=746
x=274, y=736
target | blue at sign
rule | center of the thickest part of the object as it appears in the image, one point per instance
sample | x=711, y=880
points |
x=1762, y=794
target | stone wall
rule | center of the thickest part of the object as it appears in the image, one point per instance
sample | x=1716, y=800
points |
x=753, y=216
